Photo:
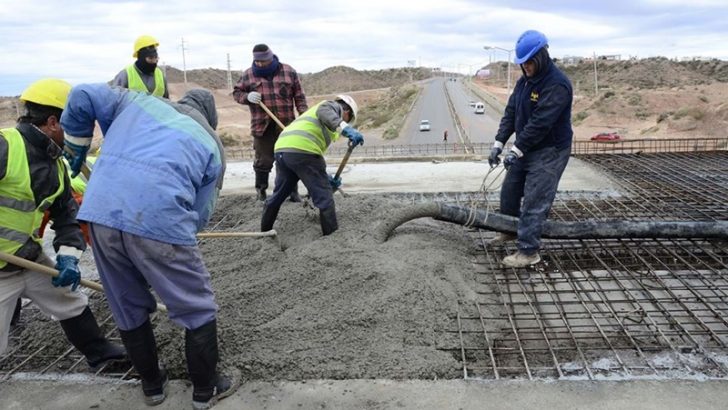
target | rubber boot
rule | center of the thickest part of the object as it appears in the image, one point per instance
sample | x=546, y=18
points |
x=261, y=184
x=142, y=348
x=295, y=197
x=208, y=386
x=269, y=218
x=328, y=220
x=16, y=313
x=84, y=334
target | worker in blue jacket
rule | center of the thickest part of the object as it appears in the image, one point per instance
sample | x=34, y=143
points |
x=539, y=112
x=153, y=187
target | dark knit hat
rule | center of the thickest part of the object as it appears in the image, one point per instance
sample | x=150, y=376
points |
x=262, y=52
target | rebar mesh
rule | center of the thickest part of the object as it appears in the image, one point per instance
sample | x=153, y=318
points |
x=610, y=308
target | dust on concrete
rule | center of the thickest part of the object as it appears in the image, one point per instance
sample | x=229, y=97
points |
x=338, y=307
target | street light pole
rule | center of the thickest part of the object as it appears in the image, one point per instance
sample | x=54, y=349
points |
x=508, y=62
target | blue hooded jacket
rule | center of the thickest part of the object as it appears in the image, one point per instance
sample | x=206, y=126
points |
x=161, y=164
x=539, y=111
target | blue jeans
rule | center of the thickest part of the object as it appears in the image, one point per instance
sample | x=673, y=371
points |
x=534, y=178
x=309, y=169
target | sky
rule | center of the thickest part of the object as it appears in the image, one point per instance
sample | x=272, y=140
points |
x=91, y=41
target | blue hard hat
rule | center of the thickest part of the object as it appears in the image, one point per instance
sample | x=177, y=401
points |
x=528, y=45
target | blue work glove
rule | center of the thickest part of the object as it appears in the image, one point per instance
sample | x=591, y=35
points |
x=68, y=273
x=76, y=158
x=335, y=182
x=353, y=135
x=255, y=97
x=493, y=160
x=510, y=159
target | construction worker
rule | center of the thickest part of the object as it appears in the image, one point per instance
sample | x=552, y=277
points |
x=276, y=85
x=78, y=187
x=299, y=155
x=144, y=75
x=539, y=112
x=148, y=239
x=32, y=179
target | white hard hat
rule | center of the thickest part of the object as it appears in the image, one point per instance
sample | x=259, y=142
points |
x=351, y=103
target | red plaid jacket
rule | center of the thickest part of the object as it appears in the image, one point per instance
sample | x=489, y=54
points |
x=279, y=95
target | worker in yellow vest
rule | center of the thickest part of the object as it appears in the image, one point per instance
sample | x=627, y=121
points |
x=299, y=156
x=144, y=75
x=33, y=179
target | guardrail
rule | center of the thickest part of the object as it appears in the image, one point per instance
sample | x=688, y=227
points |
x=483, y=148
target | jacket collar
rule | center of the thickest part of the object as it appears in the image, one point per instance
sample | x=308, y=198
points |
x=37, y=138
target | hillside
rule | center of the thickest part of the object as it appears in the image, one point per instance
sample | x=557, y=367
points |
x=329, y=81
x=649, y=98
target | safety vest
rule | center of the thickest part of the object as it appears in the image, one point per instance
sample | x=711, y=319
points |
x=136, y=82
x=20, y=218
x=306, y=133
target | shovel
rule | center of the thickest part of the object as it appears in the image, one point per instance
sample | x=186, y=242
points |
x=343, y=164
x=270, y=114
x=37, y=267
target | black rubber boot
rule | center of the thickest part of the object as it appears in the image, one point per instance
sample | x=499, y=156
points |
x=16, y=313
x=142, y=348
x=269, y=218
x=328, y=220
x=84, y=334
x=295, y=197
x=209, y=386
x=261, y=184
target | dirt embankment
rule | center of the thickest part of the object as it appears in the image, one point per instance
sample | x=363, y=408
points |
x=650, y=98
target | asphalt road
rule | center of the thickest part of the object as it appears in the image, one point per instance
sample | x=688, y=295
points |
x=432, y=105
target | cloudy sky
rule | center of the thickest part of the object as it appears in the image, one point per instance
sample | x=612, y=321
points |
x=90, y=41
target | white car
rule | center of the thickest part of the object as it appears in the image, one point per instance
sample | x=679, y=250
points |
x=425, y=125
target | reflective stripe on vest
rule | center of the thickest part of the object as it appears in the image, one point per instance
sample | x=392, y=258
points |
x=136, y=83
x=306, y=133
x=20, y=219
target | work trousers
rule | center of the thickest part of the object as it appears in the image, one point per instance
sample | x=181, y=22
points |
x=534, y=178
x=59, y=303
x=263, y=147
x=309, y=169
x=129, y=264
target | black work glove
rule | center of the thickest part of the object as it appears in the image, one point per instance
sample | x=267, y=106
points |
x=493, y=160
x=511, y=159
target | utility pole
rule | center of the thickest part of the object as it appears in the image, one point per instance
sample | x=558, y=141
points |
x=229, y=74
x=596, y=83
x=184, y=62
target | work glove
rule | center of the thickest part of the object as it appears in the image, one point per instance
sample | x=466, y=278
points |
x=255, y=97
x=77, y=157
x=510, y=159
x=353, y=135
x=493, y=160
x=335, y=182
x=68, y=273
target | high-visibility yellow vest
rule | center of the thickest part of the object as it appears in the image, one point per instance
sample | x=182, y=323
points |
x=136, y=83
x=306, y=133
x=20, y=218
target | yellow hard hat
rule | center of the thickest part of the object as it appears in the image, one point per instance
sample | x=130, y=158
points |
x=144, y=41
x=48, y=91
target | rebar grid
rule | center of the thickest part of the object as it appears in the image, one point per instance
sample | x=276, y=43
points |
x=41, y=357
x=606, y=308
